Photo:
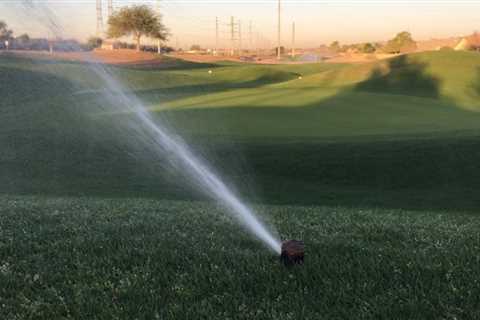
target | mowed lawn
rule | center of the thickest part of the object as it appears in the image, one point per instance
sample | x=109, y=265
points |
x=375, y=166
x=92, y=258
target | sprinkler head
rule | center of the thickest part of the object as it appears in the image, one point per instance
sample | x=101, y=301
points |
x=293, y=252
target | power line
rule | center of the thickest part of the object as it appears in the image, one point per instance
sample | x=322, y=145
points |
x=250, y=34
x=239, y=37
x=293, y=39
x=216, y=36
x=232, y=28
x=207, y=25
x=99, y=18
x=234, y=34
x=159, y=12
x=110, y=8
x=279, y=42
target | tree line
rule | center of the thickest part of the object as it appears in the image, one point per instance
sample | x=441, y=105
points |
x=9, y=41
x=136, y=21
x=401, y=43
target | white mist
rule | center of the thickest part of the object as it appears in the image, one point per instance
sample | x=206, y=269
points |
x=161, y=139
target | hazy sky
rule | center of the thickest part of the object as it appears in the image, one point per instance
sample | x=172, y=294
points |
x=317, y=21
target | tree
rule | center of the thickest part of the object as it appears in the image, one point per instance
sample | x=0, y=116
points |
x=5, y=33
x=136, y=21
x=335, y=46
x=378, y=46
x=195, y=47
x=22, y=42
x=23, y=38
x=94, y=42
x=344, y=48
x=367, y=48
x=403, y=42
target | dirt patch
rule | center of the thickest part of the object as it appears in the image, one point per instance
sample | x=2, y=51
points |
x=123, y=56
x=115, y=57
x=151, y=60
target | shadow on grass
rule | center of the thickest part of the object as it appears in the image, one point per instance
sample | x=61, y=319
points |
x=172, y=64
x=187, y=91
x=403, y=75
x=475, y=87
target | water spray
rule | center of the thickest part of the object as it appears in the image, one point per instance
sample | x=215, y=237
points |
x=162, y=140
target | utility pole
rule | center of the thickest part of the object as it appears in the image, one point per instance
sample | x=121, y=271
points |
x=159, y=42
x=239, y=37
x=257, y=43
x=216, y=37
x=110, y=8
x=279, y=40
x=99, y=19
x=232, y=30
x=293, y=40
x=250, y=36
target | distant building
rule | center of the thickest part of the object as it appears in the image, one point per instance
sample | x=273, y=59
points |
x=437, y=44
x=109, y=44
x=471, y=42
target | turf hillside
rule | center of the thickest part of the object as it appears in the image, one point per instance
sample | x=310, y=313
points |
x=405, y=129
x=374, y=166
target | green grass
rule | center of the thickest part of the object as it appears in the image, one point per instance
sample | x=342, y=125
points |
x=344, y=134
x=375, y=166
x=84, y=258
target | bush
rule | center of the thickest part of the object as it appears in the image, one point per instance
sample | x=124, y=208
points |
x=335, y=46
x=402, y=43
x=195, y=47
x=367, y=48
x=94, y=43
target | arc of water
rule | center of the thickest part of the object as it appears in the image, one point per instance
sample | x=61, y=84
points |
x=163, y=139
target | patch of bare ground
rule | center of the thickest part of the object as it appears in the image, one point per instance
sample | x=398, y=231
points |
x=114, y=57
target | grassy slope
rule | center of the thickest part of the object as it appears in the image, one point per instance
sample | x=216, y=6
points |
x=339, y=135
x=423, y=93
x=397, y=172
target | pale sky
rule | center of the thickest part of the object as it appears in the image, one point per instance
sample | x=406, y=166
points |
x=317, y=21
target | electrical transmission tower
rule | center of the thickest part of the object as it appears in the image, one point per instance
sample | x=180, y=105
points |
x=159, y=42
x=279, y=40
x=293, y=40
x=239, y=37
x=250, y=36
x=110, y=8
x=217, y=31
x=99, y=18
x=232, y=35
x=235, y=30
